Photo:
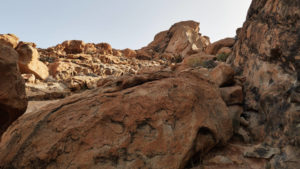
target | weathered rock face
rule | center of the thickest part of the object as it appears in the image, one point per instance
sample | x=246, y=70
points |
x=158, y=120
x=9, y=39
x=29, y=61
x=267, y=53
x=13, y=100
x=180, y=40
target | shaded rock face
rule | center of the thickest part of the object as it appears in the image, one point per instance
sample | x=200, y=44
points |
x=221, y=46
x=267, y=53
x=13, y=101
x=157, y=120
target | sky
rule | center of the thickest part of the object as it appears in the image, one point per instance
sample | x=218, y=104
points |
x=122, y=23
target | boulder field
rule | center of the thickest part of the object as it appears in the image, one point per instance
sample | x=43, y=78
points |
x=180, y=102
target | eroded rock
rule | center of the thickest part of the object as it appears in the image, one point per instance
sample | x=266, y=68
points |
x=222, y=75
x=29, y=61
x=181, y=40
x=132, y=122
x=13, y=100
x=9, y=39
x=213, y=48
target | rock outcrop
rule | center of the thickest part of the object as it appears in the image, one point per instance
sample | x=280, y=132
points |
x=181, y=40
x=220, y=46
x=267, y=54
x=9, y=39
x=29, y=61
x=157, y=120
x=73, y=46
x=13, y=100
x=172, y=104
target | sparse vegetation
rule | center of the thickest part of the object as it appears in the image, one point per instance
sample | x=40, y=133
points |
x=222, y=57
x=209, y=64
x=198, y=62
x=195, y=62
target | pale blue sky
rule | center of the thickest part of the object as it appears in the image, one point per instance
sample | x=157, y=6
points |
x=122, y=23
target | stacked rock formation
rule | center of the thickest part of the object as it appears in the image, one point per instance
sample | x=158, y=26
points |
x=13, y=100
x=181, y=40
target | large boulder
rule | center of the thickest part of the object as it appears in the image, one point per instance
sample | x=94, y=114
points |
x=181, y=40
x=13, y=100
x=73, y=46
x=159, y=120
x=267, y=53
x=185, y=38
x=214, y=48
x=104, y=48
x=129, y=53
x=9, y=39
x=222, y=75
x=29, y=61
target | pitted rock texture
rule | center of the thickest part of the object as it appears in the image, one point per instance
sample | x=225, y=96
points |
x=13, y=100
x=267, y=54
x=158, y=120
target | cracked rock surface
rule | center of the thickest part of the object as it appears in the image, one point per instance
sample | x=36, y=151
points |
x=156, y=120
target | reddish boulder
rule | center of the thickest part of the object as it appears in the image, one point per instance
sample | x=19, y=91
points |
x=13, y=100
x=90, y=48
x=213, y=48
x=129, y=53
x=73, y=46
x=9, y=39
x=159, y=120
x=222, y=75
x=29, y=62
x=181, y=40
x=224, y=50
x=104, y=48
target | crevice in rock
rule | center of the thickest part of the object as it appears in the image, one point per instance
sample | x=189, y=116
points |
x=204, y=141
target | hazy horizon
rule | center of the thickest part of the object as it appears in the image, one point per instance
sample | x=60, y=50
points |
x=123, y=24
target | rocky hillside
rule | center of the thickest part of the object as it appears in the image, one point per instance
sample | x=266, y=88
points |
x=180, y=102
